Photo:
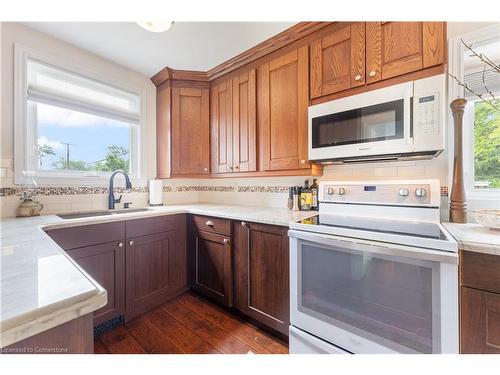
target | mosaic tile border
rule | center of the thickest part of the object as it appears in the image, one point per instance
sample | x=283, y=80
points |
x=87, y=190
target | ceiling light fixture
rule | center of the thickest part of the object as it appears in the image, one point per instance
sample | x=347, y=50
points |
x=156, y=27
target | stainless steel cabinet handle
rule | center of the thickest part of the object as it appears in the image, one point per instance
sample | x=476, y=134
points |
x=131, y=243
x=209, y=223
x=120, y=244
x=226, y=241
x=357, y=77
x=243, y=224
x=372, y=73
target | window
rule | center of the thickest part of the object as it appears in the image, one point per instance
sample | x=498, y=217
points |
x=70, y=125
x=472, y=62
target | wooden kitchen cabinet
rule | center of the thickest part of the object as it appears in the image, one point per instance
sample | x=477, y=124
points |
x=338, y=60
x=233, y=124
x=156, y=262
x=190, y=131
x=211, y=258
x=261, y=273
x=283, y=99
x=106, y=264
x=163, y=130
x=397, y=48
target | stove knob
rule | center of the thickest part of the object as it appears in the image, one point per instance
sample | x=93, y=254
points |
x=404, y=192
x=330, y=191
x=420, y=192
x=341, y=191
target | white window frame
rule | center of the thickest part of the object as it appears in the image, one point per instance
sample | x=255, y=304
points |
x=487, y=198
x=25, y=126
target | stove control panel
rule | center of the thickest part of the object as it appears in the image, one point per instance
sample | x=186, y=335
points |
x=407, y=193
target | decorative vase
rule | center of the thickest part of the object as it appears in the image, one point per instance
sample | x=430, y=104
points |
x=458, y=202
x=29, y=207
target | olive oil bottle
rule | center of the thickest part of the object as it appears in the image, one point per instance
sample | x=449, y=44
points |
x=306, y=198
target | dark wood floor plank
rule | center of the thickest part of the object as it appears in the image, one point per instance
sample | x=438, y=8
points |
x=209, y=332
x=179, y=334
x=99, y=347
x=250, y=335
x=120, y=341
x=150, y=337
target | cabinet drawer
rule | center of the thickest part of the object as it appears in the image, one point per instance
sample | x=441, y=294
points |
x=212, y=224
x=151, y=225
x=480, y=271
x=75, y=237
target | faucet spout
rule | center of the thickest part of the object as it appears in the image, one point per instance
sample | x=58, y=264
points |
x=111, y=196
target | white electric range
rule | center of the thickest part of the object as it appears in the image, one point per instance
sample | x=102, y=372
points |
x=374, y=271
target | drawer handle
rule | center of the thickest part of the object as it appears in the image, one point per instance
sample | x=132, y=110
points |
x=120, y=244
x=131, y=243
x=226, y=241
x=209, y=223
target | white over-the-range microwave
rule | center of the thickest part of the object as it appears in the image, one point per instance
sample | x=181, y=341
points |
x=403, y=121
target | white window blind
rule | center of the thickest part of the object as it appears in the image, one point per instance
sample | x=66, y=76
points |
x=50, y=85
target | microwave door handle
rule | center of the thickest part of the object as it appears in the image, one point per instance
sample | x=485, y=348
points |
x=358, y=246
x=407, y=118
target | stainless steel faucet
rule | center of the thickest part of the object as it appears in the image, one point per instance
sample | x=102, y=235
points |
x=111, y=196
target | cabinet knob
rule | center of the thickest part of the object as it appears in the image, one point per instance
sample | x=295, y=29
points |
x=357, y=77
x=209, y=223
x=205, y=169
x=226, y=240
x=243, y=224
x=302, y=161
x=131, y=243
x=231, y=168
x=236, y=167
x=372, y=73
x=120, y=244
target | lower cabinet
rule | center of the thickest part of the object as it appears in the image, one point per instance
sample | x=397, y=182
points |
x=106, y=264
x=261, y=273
x=155, y=268
x=212, y=266
x=480, y=321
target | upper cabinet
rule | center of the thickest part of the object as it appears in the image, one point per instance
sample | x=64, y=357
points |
x=338, y=60
x=362, y=53
x=233, y=124
x=190, y=131
x=283, y=99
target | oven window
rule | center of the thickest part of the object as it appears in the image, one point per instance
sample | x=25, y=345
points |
x=369, y=124
x=387, y=300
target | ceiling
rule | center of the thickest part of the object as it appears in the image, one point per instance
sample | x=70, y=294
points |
x=187, y=45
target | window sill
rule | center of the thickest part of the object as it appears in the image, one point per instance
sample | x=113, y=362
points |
x=75, y=180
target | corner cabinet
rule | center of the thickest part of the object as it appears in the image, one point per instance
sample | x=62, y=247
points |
x=190, y=131
x=283, y=86
x=233, y=124
x=261, y=273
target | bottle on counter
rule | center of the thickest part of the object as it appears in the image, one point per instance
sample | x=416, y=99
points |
x=291, y=190
x=306, y=197
x=314, y=192
x=296, y=199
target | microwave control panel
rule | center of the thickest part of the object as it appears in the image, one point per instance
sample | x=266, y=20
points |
x=426, y=114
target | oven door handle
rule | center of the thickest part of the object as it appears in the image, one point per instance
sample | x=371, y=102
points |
x=352, y=245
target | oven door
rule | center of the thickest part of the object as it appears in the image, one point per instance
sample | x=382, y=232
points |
x=372, y=123
x=369, y=297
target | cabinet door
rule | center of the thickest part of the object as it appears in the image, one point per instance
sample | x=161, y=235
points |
x=283, y=101
x=261, y=262
x=212, y=266
x=190, y=131
x=479, y=321
x=244, y=122
x=221, y=127
x=156, y=269
x=338, y=60
x=106, y=264
x=393, y=48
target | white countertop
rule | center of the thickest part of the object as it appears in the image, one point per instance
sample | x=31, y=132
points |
x=475, y=237
x=41, y=287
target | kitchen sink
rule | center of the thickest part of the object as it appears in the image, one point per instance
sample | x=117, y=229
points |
x=101, y=213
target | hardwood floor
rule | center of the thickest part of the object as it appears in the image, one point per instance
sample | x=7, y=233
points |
x=190, y=325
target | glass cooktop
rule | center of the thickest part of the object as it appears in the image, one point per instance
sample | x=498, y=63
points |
x=400, y=227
